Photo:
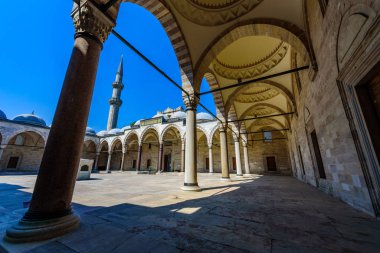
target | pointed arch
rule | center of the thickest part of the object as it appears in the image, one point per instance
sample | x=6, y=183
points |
x=276, y=28
x=169, y=23
x=167, y=128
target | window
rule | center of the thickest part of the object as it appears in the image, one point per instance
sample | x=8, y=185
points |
x=150, y=145
x=267, y=136
x=19, y=140
x=301, y=159
x=317, y=153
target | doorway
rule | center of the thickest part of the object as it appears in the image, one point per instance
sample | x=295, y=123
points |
x=234, y=163
x=167, y=162
x=12, y=163
x=369, y=99
x=207, y=164
x=271, y=163
x=318, y=156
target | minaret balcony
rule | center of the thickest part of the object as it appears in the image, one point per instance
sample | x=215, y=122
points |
x=115, y=101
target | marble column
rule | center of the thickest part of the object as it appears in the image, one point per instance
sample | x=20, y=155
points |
x=139, y=154
x=191, y=182
x=183, y=155
x=109, y=162
x=210, y=160
x=160, y=154
x=239, y=172
x=246, y=159
x=224, y=154
x=50, y=213
x=96, y=161
x=123, y=158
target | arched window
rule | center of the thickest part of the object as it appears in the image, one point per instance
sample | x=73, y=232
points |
x=19, y=140
x=84, y=168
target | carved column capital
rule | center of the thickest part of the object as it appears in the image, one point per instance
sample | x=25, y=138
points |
x=89, y=20
x=191, y=102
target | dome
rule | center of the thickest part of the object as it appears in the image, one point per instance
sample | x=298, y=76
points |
x=102, y=133
x=126, y=128
x=2, y=115
x=115, y=131
x=179, y=115
x=89, y=130
x=30, y=119
x=137, y=123
x=204, y=116
x=160, y=115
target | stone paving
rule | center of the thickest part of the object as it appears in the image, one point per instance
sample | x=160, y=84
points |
x=125, y=212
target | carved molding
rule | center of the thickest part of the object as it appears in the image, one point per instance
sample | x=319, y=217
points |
x=87, y=18
x=252, y=69
x=214, y=13
x=191, y=102
x=261, y=94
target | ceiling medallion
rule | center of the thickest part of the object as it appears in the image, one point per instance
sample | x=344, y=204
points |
x=213, y=12
x=253, y=69
x=256, y=95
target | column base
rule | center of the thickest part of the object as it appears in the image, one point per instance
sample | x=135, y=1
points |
x=239, y=175
x=38, y=230
x=247, y=175
x=191, y=187
x=225, y=179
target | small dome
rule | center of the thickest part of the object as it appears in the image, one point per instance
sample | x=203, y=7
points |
x=2, y=115
x=137, y=123
x=179, y=115
x=126, y=128
x=89, y=130
x=30, y=119
x=160, y=115
x=115, y=131
x=102, y=133
x=204, y=116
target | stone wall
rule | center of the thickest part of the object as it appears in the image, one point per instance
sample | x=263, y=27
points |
x=320, y=108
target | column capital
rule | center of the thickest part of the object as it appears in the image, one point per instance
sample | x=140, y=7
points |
x=244, y=143
x=89, y=20
x=191, y=102
x=110, y=152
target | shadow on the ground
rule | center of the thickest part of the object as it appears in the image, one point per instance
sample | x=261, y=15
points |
x=266, y=214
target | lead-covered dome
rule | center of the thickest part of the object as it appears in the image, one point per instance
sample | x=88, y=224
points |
x=115, y=131
x=204, y=116
x=2, y=115
x=30, y=119
x=90, y=131
x=102, y=133
x=179, y=115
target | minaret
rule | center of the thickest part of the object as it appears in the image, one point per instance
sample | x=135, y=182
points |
x=115, y=101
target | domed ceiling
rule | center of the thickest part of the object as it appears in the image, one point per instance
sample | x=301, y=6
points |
x=213, y=12
x=249, y=57
x=256, y=94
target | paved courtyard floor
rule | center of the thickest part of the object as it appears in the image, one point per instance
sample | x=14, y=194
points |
x=125, y=212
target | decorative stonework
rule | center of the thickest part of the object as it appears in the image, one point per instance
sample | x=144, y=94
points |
x=87, y=18
x=256, y=94
x=260, y=111
x=212, y=13
x=191, y=102
x=252, y=69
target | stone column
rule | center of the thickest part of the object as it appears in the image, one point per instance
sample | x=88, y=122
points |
x=239, y=172
x=50, y=213
x=183, y=156
x=224, y=154
x=210, y=160
x=191, y=182
x=160, y=154
x=96, y=161
x=246, y=159
x=109, y=162
x=139, y=153
x=123, y=158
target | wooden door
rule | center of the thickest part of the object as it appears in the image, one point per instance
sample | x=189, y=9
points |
x=207, y=164
x=234, y=163
x=271, y=163
x=134, y=164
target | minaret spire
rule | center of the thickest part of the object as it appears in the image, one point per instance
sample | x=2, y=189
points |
x=115, y=101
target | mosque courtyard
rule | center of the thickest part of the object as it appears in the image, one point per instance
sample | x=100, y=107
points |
x=127, y=212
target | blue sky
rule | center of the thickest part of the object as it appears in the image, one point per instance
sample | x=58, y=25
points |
x=36, y=48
